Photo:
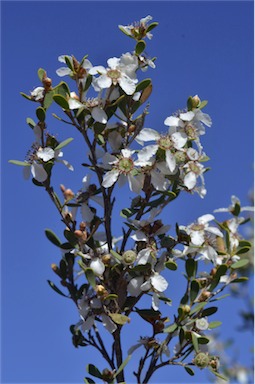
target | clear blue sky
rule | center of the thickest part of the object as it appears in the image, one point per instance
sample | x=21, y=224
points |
x=203, y=48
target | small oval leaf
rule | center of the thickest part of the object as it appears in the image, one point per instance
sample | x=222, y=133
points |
x=52, y=237
x=40, y=113
x=61, y=100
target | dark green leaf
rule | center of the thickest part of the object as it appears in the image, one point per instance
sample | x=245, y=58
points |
x=191, y=267
x=194, y=289
x=240, y=264
x=56, y=289
x=70, y=236
x=88, y=83
x=244, y=243
x=209, y=311
x=140, y=47
x=148, y=314
x=52, y=237
x=87, y=380
x=94, y=371
x=112, y=296
x=141, y=267
x=203, y=340
x=240, y=279
x=190, y=103
x=151, y=26
x=142, y=85
x=64, y=143
x=90, y=276
x=221, y=271
x=242, y=250
x=236, y=210
x=171, y=265
x=61, y=100
x=40, y=113
x=189, y=371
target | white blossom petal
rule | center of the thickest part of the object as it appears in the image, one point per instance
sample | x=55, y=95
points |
x=170, y=160
x=108, y=323
x=87, y=214
x=190, y=180
x=38, y=172
x=146, y=286
x=136, y=183
x=63, y=71
x=159, y=283
x=110, y=178
x=128, y=85
x=98, y=266
x=139, y=236
x=86, y=325
x=46, y=154
x=187, y=116
x=205, y=218
x=104, y=81
x=197, y=237
x=134, y=286
x=99, y=115
x=148, y=134
x=99, y=69
x=155, y=301
x=75, y=104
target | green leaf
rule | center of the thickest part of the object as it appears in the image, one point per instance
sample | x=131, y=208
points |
x=90, y=276
x=240, y=264
x=56, y=289
x=122, y=366
x=119, y=318
x=171, y=265
x=171, y=328
x=41, y=73
x=40, y=113
x=30, y=122
x=194, y=289
x=116, y=255
x=240, y=280
x=70, y=236
x=203, y=340
x=189, y=371
x=209, y=311
x=17, y=162
x=87, y=380
x=94, y=371
x=221, y=297
x=195, y=342
x=198, y=308
x=191, y=267
x=190, y=103
x=151, y=26
x=221, y=271
x=112, y=296
x=218, y=375
x=142, y=85
x=126, y=212
x=26, y=96
x=244, y=243
x=52, y=237
x=141, y=267
x=242, y=250
x=214, y=324
x=148, y=314
x=236, y=210
x=61, y=100
x=203, y=104
x=64, y=143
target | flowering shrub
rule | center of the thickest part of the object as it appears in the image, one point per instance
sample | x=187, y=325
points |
x=108, y=277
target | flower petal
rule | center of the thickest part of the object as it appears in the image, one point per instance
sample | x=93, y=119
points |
x=87, y=214
x=110, y=178
x=108, y=323
x=159, y=283
x=99, y=115
x=63, y=71
x=128, y=85
x=148, y=134
x=104, y=81
x=134, y=286
x=170, y=160
x=38, y=172
x=98, y=266
x=190, y=180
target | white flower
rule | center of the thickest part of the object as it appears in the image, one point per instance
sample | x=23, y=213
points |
x=197, y=231
x=208, y=253
x=64, y=71
x=116, y=73
x=157, y=284
x=202, y=324
x=193, y=169
x=138, y=29
x=169, y=143
x=38, y=93
x=37, y=157
x=235, y=201
x=97, y=266
x=195, y=118
x=123, y=169
x=83, y=197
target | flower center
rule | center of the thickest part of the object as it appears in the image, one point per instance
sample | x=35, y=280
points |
x=197, y=227
x=165, y=142
x=125, y=165
x=194, y=168
x=114, y=74
x=191, y=132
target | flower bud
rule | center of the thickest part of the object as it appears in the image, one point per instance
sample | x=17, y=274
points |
x=201, y=360
x=195, y=101
x=129, y=257
x=68, y=194
x=186, y=308
x=55, y=268
x=131, y=128
x=213, y=272
x=204, y=296
x=220, y=244
x=101, y=291
x=62, y=188
x=81, y=235
x=47, y=82
x=106, y=259
x=214, y=363
x=82, y=226
x=107, y=375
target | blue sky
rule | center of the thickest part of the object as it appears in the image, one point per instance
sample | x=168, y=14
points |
x=203, y=48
